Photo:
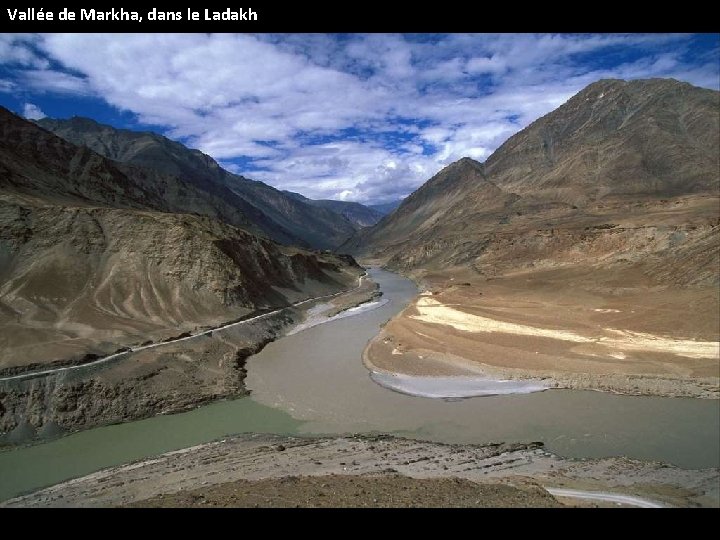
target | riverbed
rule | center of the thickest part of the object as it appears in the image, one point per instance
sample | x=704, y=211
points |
x=317, y=377
x=314, y=382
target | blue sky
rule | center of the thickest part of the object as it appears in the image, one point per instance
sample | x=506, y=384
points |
x=367, y=118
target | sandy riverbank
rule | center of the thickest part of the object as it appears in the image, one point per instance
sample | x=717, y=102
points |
x=563, y=329
x=265, y=470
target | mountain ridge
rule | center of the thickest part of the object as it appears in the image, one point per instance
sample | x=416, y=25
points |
x=358, y=214
x=282, y=218
x=611, y=147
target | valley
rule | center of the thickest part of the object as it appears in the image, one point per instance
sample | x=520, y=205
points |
x=540, y=328
x=547, y=262
x=310, y=389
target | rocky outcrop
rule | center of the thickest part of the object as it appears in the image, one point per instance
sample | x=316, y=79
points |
x=175, y=378
x=510, y=475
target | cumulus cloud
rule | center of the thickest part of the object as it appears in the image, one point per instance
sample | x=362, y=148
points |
x=359, y=117
x=33, y=112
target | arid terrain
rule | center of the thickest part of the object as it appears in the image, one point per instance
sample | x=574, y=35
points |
x=584, y=251
x=167, y=378
x=284, y=217
x=386, y=491
x=98, y=257
x=137, y=276
x=568, y=327
x=379, y=471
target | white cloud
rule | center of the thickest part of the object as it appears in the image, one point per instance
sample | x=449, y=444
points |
x=318, y=114
x=47, y=80
x=486, y=64
x=33, y=112
x=16, y=49
x=7, y=87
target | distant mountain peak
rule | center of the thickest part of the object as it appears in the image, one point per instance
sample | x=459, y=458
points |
x=466, y=162
x=655, y=82
x=357, y=214
x=654, y=86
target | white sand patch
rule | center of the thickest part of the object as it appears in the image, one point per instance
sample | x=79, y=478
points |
x=455, y=387
x=608, y=310
x=432, y=311
x=637, y=341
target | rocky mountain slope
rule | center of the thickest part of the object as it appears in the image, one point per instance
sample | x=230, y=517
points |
x=583, y=252
x=94, y=254
x=98, y=257
x=624, y=173
x=358, y=214
x=282, y=218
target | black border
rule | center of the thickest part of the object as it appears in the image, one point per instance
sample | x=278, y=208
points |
x=364, y=17
x=374, y=523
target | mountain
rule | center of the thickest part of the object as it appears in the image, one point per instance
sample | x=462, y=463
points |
x=95, y=254
x=268, y=210
x=584, y=253
x=623, y=172
x=385, y=208
x=37, y=163
x=359, y=215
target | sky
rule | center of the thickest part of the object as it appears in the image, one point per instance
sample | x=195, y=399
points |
x=365, y=118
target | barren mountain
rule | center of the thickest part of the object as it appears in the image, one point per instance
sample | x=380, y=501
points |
x=98, y=257
x=584, y=251
x=281, y=217
x=94, y=254
x=623, y=172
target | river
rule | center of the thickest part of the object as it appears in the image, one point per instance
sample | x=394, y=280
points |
x=313, y=382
